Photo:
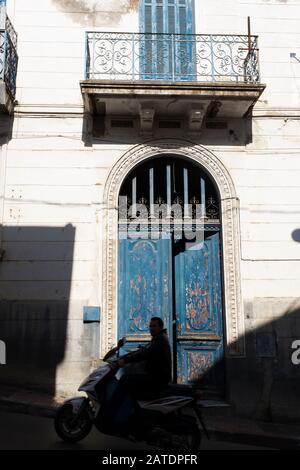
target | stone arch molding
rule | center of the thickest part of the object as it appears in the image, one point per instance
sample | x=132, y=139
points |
x=234, y=340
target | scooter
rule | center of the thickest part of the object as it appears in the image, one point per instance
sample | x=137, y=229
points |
x=169, y=420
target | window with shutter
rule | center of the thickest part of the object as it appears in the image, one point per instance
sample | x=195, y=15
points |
x=167, y=16
x=166, y=49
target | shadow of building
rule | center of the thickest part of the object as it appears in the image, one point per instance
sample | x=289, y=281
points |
x=35, y=283
x=97, y=129
x=265, y=383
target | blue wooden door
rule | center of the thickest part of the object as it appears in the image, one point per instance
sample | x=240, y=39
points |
x=145, y=287
x=181, y=283
x=166, y=42
x=199, y=335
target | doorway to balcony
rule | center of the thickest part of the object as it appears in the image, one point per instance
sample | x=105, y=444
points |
x=167, y=42
x=170, y=265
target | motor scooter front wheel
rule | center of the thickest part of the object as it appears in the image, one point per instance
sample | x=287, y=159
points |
x=70, y=427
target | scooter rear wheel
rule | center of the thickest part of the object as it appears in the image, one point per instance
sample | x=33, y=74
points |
x=189, y=442
x=192, y=440
x=186, y=435
x=71, y=428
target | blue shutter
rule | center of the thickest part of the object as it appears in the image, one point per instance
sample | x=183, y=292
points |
x=159, y=23
x=184, y=50
x=171, y=17
x=147, y=15
x=167, y=16
x=186, y=16
x=182, y=20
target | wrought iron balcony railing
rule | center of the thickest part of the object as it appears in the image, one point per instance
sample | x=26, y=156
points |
x=174, y=57
x=8, y=57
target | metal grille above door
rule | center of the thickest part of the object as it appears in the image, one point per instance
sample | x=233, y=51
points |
x=170, y=188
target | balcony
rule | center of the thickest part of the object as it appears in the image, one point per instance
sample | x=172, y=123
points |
x=8, y=65
x=143, y=74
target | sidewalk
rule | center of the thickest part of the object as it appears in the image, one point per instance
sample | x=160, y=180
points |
x=29, y=402
x=220, y=426
x=246, y=431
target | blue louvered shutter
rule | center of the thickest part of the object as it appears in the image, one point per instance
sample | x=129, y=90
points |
x=185, y=19
x=185, y=43
x=167, y=16
x=147, y=9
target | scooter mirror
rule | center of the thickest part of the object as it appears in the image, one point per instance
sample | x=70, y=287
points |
x=121, y=342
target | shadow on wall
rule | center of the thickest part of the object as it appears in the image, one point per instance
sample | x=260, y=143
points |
x=296, y=235
x=6, y=128
x=35, y=281
x=265, y=384
x=97, y=129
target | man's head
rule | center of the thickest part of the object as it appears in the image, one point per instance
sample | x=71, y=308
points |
x=156, y=326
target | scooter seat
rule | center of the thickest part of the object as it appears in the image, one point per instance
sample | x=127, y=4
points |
x=171, y=389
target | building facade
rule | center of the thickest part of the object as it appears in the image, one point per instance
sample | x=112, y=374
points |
x=124, y=108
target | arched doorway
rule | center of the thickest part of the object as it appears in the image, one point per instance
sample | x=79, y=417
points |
x=169, y=265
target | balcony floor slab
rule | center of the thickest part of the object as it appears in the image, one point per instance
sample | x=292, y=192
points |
x=233, y=98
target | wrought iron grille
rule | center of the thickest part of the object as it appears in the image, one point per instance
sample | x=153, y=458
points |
x=8, y=57
x=169, y=189
x=175, y=57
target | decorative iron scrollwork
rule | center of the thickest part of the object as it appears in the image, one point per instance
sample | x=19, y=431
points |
x=8, y=57
x=160, y=201
x=192, y=57
x=212, y=208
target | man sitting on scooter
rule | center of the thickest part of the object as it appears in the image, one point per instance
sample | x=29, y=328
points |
x=158, y=366
x=158, y=362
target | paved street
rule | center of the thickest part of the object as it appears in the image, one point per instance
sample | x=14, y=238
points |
x=18, y=431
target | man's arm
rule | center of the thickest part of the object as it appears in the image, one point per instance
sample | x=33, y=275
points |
x=137, y=356
x=153, y=348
